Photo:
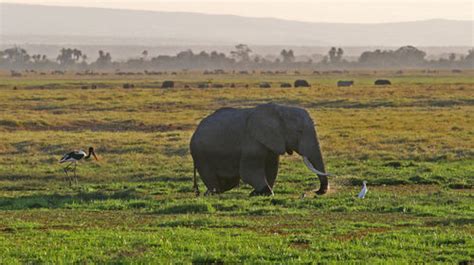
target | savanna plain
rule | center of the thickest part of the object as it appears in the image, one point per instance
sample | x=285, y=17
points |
x=411, y=141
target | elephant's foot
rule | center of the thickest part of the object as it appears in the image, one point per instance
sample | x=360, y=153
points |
x=265, y=192
x=322, y=191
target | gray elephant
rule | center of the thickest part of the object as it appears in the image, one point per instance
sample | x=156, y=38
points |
x=233, y=144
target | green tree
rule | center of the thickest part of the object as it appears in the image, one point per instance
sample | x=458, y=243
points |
x=241, y=53
x=452, y=57
x=288, y=56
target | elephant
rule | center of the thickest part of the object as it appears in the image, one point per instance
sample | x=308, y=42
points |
x=302, y=83
x=233, y=144
x=343, y=83
x=382, y=82
x=167, y=84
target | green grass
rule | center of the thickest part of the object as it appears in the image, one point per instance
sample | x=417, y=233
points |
x=412, y=142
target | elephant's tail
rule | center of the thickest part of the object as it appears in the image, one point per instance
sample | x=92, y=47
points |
x=195, y=186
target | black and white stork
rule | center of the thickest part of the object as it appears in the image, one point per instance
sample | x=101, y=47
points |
x=72, y=158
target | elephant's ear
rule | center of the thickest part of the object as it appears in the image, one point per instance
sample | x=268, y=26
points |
x=265, y=125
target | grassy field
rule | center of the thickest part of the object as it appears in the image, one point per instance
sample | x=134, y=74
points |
x=413, y=142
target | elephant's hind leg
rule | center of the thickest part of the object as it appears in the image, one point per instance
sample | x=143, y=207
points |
x=252, y=170
x=209, y=177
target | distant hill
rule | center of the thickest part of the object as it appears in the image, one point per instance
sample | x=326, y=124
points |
x=77, y=25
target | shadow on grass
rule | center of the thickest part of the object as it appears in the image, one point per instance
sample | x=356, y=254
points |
x=18, y=177
x=186, y=208
x=59, y=201
x=450, y=222
x=166, y=179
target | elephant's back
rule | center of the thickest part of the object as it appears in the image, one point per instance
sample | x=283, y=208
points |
x=221, y=131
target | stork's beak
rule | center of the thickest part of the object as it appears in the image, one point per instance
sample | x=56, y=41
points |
x=93, y=153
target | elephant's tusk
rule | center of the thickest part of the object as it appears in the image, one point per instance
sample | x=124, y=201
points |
x=311, y=167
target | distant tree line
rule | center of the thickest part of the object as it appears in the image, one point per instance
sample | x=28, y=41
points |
x=241, y=58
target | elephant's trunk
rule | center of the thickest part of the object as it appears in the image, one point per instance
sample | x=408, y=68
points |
x=313, y=158
x=313, y=164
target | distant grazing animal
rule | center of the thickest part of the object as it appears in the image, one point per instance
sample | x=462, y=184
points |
x=301, y=83
x=73, y=157
x=15, y=74
x=167, y=84
x=128, y=85
x=233, y=144
x=345, y=83
x=58, y=72
x=382, y=82
x=285, y=85
x=265, y=85
x=364, y=190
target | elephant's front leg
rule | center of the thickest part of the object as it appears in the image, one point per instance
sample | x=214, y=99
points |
x=252, y=171
x=271, y=168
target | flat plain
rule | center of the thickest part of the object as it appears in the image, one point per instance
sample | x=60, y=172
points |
x=411, y=141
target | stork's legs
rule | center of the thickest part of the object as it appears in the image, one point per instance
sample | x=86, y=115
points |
x=67, y=175
x=69, y=178
x=75, y=176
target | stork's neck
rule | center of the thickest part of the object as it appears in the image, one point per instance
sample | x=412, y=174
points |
x=88, y=155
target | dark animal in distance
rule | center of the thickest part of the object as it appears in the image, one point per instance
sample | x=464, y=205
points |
x=72, y=158
x=301, y=83
x=167, y=84
x=285, y=85
x=128, y=86
x=15, y=73
x=382, y=82
x=265, y=85
x=233, y=144
x=345, y=83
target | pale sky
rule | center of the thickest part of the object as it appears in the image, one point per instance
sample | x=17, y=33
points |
x=349, y=11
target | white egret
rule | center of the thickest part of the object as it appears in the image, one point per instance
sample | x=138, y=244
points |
x=364, y=190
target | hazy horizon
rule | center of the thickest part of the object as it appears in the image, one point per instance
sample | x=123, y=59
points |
x=336, y=11
x=99, y=26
